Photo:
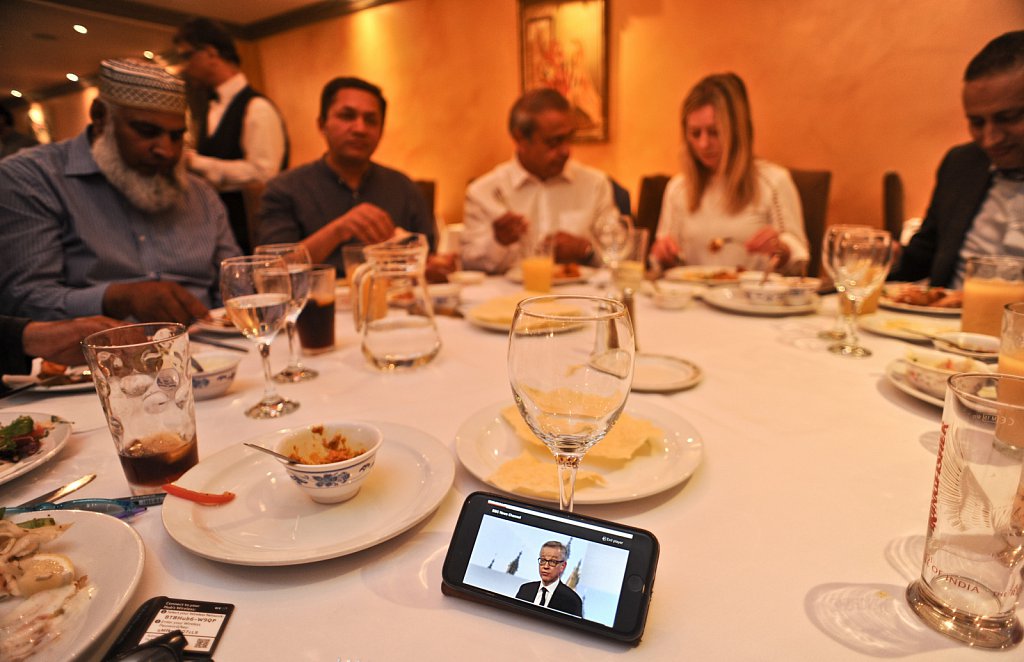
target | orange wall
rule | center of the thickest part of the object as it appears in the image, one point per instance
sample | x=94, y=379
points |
x=858, y=88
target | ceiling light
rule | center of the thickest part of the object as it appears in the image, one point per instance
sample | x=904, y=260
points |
x=73, y=78
x=16, y=93
x=148, y=54
x=81, y=29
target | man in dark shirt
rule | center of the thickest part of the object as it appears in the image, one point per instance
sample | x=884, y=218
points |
x=344, y=197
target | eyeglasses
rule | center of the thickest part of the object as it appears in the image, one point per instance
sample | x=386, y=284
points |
x=551, y=562
x=120, y=508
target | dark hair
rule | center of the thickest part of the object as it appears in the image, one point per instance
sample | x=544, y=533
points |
x=6, y=115
x=1003, y=53
x=562, y=550
x=201, y=32
x=350, y=82
x=523, y=116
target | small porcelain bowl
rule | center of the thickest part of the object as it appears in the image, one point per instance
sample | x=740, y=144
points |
x=218, y=373
x=756, y=277
x=766, y=294
x=337, y=481
x=669, y=296
x=801, y=290
x=445, y=296
x=927, y=369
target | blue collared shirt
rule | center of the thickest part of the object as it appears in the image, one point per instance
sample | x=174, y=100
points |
x=66, y=234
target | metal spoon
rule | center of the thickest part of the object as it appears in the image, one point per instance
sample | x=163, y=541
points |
x=283, y=458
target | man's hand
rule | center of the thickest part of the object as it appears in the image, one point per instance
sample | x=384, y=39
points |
x=572, y=248
x=509, y=227
x=366, y=223
x=439, y=266
x=153, y=301
x=666, y=252
x=61, y=341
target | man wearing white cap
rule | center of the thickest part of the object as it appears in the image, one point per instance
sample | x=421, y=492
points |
x=109, y=222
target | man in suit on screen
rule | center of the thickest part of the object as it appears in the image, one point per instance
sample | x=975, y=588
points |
x=550, y=592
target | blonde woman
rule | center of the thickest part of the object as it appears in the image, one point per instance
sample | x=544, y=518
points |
x=728, y=208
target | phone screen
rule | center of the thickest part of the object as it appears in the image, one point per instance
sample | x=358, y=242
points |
x=589, y=569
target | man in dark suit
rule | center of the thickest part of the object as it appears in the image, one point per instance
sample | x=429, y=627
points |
x=979, y=184
x=550, y=591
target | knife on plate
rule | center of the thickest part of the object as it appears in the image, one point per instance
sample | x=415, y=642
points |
x=25, y=387
x=53, y=495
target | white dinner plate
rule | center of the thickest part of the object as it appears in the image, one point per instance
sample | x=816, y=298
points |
x=49, y=446
x=14, y=381
x=889, y=304
x=485, y=441
x=896, y=326
x=713, y=276
x=272, y=522
x=489, y=325
x=221, y=323
x=515, y=274
x=107, y=551
x=660, y=373
x=735, y=301
x=895, y=372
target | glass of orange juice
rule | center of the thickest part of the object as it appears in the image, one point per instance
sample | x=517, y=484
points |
x=991, y=282
x=538, y=264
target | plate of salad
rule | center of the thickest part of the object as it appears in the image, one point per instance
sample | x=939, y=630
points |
x=29, y=439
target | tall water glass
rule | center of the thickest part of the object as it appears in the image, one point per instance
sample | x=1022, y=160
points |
x=141, y=373
x=570, y=365
x=860, y=259
x=628, y=271
x=973, y=567
x=257, y=293
x=990, y=282
x=610, y=235
x=299, y=264
x=838, y=330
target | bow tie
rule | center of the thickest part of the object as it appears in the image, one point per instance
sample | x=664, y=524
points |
x=1013, y=174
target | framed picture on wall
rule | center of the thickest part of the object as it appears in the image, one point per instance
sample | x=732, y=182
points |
x=564, y=45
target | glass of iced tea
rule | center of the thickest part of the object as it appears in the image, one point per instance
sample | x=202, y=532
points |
x=316, y=321
x=990, y=282
x=141, y=373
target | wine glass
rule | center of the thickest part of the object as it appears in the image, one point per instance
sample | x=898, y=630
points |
x=838, y=330
x=570, y=365
x=860, y=259
x=299, y=269
x=612, y=238
x=257, y=293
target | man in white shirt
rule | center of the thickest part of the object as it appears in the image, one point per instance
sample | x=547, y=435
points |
x=539, y=193
x=550, y=592
x=240, y=138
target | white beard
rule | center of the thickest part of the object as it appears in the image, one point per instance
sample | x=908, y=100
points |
x=150, y=193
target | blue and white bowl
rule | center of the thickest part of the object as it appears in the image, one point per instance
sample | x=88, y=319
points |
x=218, y=373
x=337, y=481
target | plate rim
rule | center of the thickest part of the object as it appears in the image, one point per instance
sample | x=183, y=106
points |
x=42, y=457
x=919, y=310
x=866, y=323
x=697, y=378
x=715, y=297
x=693, y=453
x=83, y=641
x=175, y=512
x=894, y=373
x=710, y=282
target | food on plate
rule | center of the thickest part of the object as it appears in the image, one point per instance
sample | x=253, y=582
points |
x=202, y=498
x=220, y=318
x=58, y=374
x=48, y=599
x=500, y=310
x=528, y=475
x=920, y=295
x=705, y=274
x=22, y=437
x=626, y=438
x=567, y=270
x=332, y=450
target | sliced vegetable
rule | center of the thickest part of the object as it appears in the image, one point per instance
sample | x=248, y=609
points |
x=203, y=498
x=37, y=523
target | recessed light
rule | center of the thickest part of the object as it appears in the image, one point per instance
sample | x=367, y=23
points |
x=148, y=54
x=73, y=78
x=81, y=29
x=16, y=93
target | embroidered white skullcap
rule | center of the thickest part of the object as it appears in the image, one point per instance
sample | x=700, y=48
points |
x=140, y=84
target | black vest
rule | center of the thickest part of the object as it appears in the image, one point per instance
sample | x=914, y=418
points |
x=226, y=143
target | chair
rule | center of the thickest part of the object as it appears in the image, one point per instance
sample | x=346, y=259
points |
x=648, y=205
x=892, y=204
x=621, y=197
x=813, y=187
x=428, y=189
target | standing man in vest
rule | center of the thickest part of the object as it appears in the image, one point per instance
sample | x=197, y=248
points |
x=240, y=138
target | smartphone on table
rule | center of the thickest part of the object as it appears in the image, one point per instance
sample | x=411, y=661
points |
x=582, y=572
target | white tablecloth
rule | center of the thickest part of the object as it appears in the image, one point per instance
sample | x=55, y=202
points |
x=795, y=539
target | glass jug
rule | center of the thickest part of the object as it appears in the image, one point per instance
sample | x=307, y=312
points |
x=391, y=306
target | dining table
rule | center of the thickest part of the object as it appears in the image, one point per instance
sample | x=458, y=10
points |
x=794, y=537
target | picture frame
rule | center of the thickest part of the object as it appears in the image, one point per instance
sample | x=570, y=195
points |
x=563, y=44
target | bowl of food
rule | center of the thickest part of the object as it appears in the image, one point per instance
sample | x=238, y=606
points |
x=217, y=375
x=927, y=369
x=801, y=289
x=672, y=296
x=445, y=297
x=768, y=293
x=331, y=460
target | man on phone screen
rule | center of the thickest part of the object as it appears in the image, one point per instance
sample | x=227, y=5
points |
x=550, y=591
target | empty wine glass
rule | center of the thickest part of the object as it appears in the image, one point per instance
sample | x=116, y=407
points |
x=838, y=330
x=257, y=293
x=860, y=259
x=300, y=267
x=612, y=238
x=570, y=365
